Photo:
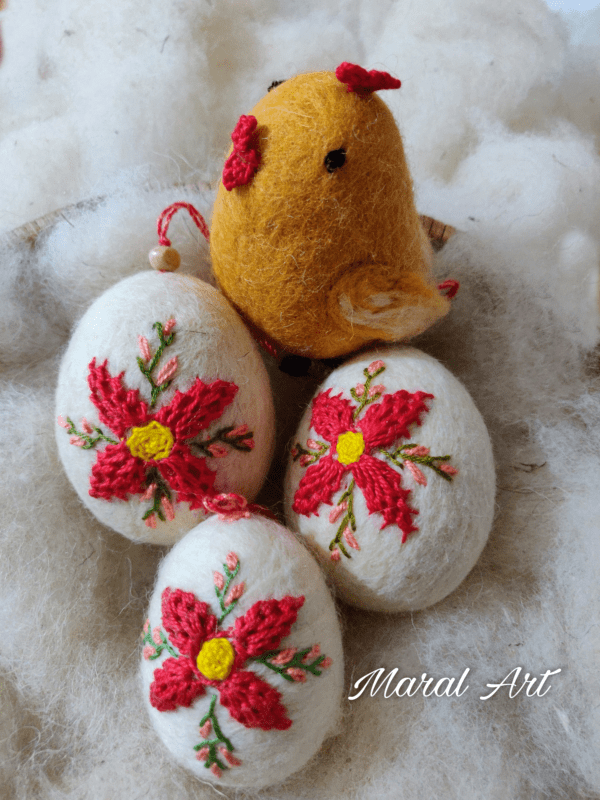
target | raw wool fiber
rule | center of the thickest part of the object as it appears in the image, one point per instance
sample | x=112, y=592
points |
x=324, y=261
x=74, y=595
x=386, y=570
x=210, y=343
x=272, y=564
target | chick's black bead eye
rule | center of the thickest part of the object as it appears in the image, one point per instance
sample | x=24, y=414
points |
x=335, y=159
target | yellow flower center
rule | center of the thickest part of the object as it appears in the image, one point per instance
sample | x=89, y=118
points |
x=350, y=447
x=215, y=659
x=152, y=441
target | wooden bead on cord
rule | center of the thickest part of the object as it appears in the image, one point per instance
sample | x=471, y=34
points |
x=164, y=258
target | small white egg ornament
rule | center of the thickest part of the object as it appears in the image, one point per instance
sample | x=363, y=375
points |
x=391, y=480
x=162, y=403
x=242, y=665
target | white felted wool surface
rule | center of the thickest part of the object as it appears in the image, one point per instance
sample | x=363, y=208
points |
x=380, y=572
x=499, y=110
x=210, y=343
x=272, y=565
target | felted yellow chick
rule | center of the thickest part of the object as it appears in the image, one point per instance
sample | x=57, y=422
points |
x=315, y=237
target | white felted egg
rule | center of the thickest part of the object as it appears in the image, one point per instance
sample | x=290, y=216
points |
x=162, y=402
x=391, y=480
x=242, y=666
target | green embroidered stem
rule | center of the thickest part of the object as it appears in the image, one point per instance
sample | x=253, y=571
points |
x=153, y=476
x=165, y=341
x=363, y=399
x=213, y=743
x=89, y=440
x=222, y=593
x=238, y=442
x=425, y=459
x=158, y=648
x=310, y=456
x=348, y=520
x=294, y=662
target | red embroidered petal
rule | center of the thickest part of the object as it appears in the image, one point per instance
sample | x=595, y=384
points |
x=318, y=485
x=118, y=407
x=175, y=684
x=254, y=703
x=384, y=493
x=116, y=473
x=331, y=415
x=187, y=620
x=265, y=624
x=389, y=420
x=187, y=475
x=190, y=412
x=362, y=82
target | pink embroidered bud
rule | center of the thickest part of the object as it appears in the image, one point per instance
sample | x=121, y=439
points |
x=144, y=347
x=337, y=512
x=76, y=440
x=168, y=326
x=335, y=555
x=149, y=493
x=312, y=654
x=416, y=473
x=284, y=656
x=148, y=651
x=359, y=389
x=379, y=389
x=305, y=460
x=293, y=453
x=146, y=627
x=235, y=593
x=297, y=674
x=217, y=450
x=167, y=508
x=237, y=432
x=85, y=426
x=250, y=444
x=216, y=770
x=156, y=637
x=63, y=424
x=229, y=507
x=419, y=450
x=327, y=662
x=235, y=762
x=232, y=561
x=206, y=729
x=448, y=469
x=202, y=754
x=375, y=366
x=349, y=537
x=219, y=580
x=312, y=444
x=167, y=372
x=150, y=521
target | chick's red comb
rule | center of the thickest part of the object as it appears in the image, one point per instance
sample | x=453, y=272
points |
x=245, y=159
x=362, y=82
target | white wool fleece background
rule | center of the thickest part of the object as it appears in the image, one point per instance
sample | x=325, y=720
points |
x=500, y=109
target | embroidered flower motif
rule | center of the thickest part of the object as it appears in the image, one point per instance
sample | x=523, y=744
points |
x=354, y=441
x=152, y=455
x=214, y=657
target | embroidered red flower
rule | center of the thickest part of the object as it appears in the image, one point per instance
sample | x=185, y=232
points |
x=210, y=656
x=153, y=454
x=154, y=440
x=353, y=442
